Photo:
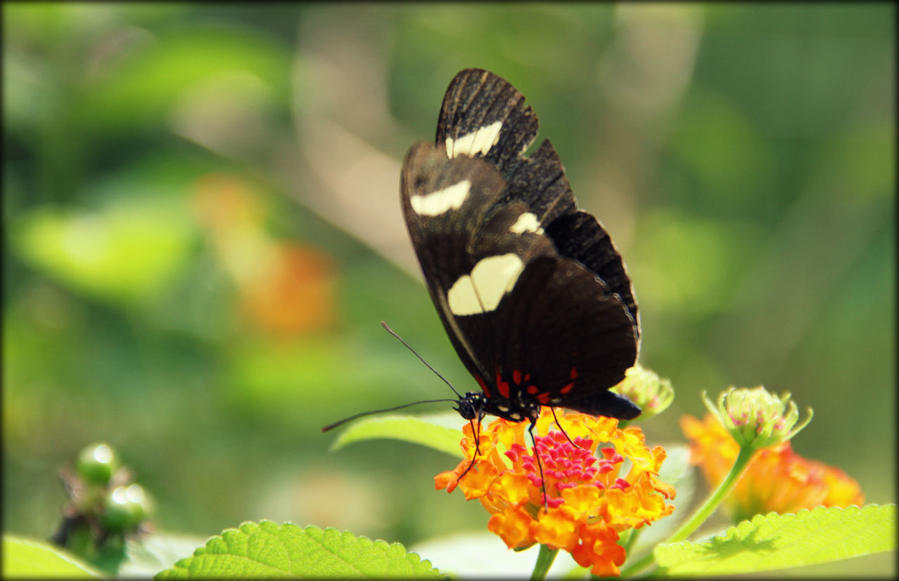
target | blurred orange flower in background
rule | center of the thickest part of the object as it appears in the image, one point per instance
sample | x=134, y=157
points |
x=777, y=479
x=285, y=288
x=605, y=484
x=295, y=293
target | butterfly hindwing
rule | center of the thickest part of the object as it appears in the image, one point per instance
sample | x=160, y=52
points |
x=558, y=333
x=579, y=236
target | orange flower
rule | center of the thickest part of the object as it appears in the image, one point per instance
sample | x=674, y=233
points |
x=777, y=479
x=605, y=484
x=294, y=293
x=287, y=289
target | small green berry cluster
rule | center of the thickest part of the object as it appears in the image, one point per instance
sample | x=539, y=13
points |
x=104, y=507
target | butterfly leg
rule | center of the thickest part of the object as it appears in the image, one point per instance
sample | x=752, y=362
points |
x=561, y=429
x=539, y=463
x=476, y=429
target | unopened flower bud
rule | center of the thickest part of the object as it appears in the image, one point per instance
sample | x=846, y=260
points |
x=646, y=389
x=755, y=417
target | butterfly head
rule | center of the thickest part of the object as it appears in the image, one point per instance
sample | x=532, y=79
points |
x=471, y=405
x=475, y=405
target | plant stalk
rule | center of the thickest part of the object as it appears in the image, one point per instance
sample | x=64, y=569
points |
x=545, y=559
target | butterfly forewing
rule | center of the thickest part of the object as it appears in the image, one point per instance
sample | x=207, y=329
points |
x=484, y=116
x=471, y=250
x=440, y=238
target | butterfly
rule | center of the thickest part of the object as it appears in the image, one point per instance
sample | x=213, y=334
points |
x=532, y=293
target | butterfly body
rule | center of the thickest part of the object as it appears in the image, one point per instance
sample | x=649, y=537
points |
x=532, y=293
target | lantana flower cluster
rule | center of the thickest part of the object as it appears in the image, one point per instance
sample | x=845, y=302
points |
x=600, y=480
x=777, y=479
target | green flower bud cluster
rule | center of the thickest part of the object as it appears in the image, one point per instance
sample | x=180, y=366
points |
x=755, y=417
x=646, y=389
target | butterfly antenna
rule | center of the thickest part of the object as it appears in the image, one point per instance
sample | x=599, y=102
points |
x=420, y=358
x=372, y=412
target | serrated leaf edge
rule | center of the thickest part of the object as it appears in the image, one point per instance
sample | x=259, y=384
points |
x=247, y=527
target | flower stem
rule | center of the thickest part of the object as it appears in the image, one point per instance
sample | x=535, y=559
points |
x=628, y=538
x=545, y=559
x=715, y=498
x=704, y=511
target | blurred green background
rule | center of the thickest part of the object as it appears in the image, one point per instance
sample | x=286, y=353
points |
x=202, y=232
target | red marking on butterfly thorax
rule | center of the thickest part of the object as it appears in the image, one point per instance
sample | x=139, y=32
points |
x=573, y=374
x=532, y=389
x=543, y=398
x=516, y=376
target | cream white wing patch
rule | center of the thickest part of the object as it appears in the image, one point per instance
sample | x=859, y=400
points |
x=477, y=142
x=483, y=289
x=526, y=222
x=436, y=203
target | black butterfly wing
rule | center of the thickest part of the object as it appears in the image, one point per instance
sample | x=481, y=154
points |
x=578, y=235
x=531, y=291
x=446, y=203
x=559, y=336
x=520, y=316
x=483, y=115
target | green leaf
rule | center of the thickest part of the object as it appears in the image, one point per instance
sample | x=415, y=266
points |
x=128, y=250
x=267, y=550
x=31, y=558
x=431, y=431
x=778, y=541
x=152, y=80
